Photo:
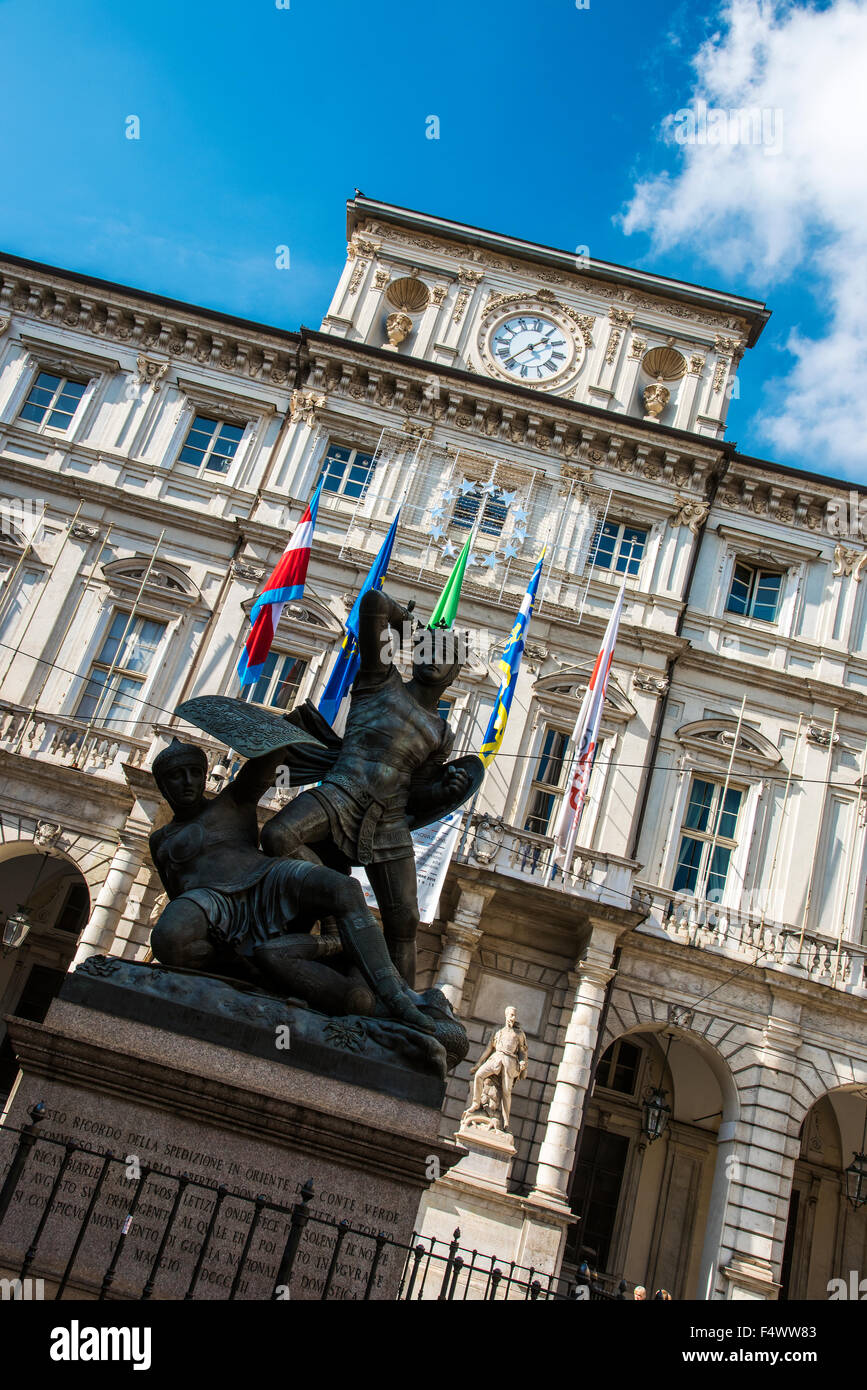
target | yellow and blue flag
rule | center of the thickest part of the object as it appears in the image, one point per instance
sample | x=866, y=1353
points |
x=509, y=664
x=348, y=659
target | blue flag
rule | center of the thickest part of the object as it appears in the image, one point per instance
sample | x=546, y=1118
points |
x=348, y=659
x=510, y=664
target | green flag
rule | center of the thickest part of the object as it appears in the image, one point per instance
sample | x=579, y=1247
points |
x=447, y=604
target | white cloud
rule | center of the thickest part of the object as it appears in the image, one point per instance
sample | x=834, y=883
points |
x=796, y=213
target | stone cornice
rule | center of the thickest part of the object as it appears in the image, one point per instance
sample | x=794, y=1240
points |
x=496, y=412
x=501, y=252
x=132, y=319
x=747, y=673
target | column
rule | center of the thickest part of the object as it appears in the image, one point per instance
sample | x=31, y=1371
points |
x=589, y=981
x=460, y=941
x=743, y=1256
x=99, y=933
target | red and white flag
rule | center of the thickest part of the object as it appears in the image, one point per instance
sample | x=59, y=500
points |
x=585, y=738
x=285, y=585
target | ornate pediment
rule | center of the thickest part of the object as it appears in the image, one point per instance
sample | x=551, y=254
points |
x=565, y=689
x=717, y=736
x=165, y=579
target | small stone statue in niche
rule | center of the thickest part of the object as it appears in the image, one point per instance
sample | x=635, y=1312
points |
x=503, y=1062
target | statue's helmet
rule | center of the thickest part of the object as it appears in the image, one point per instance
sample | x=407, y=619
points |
x=179, y=754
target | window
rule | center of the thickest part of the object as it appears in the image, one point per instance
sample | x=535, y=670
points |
x=211, y=444
x=755, y=593
x=347, y=471
x=618, y=547
x=493, y=516
x=546, y=788
x=444, y=708
x=52, y=401
x=595, y=1196
x=279, y=682
x=130, y=648
x=708, y=839
x=75, y=910
x=618, y=1069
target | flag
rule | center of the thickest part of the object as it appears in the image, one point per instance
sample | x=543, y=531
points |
x=348, y=659
x=285, y=584
x=445, y=612
x=585, y=738
x=509, y=665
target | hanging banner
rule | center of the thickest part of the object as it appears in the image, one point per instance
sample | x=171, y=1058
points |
x=435, y=845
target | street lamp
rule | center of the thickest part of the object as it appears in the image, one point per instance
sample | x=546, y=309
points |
x=655, y=1110
x=856, y=1173
x=15, y=928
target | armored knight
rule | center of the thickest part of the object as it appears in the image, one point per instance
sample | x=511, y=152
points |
x=389, y=773
x=234, y=910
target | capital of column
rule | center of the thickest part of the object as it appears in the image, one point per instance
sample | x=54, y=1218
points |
x=462, y=935
x=474, y=898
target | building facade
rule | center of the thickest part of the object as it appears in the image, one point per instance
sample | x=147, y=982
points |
x=707, y=939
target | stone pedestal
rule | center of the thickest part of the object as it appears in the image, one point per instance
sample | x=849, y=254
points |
x=499, y=1225
x=261, y=1116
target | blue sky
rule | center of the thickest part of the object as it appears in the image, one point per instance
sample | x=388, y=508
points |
x=257, y=123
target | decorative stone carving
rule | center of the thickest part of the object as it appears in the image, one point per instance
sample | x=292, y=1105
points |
x=848, y=561
x=621, y=317
x=398, y=327
x=150, y=371
x=470, y=277
x=360, y=246
x=651, y=682
x=82, y=532
x=438, y=293
x=689, y=513
x=503, y=1062
x=47, y=834
x=614, y=338
x=656, y=398
x=381, y=279
x=304, y=405
x=242, y=569
x=821, y=737
x=4, y=324
x=720, y=373
x=681, y=1015
x=637, y=348
x=357, y=277
x=696, y=365
x=487, y=839
x=461, y=303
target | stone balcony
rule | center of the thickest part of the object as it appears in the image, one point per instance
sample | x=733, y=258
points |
x=751, y=938
x=502, y=849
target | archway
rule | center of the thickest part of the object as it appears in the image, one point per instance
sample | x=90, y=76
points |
x=643, y=1206
x=52, y=894
x=826, y=1238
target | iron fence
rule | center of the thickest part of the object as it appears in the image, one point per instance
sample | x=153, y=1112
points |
x=87, y=1222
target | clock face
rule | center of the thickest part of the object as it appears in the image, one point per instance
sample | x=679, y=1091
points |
x=530, y=348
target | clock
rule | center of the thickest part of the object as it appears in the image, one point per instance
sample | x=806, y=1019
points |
x=531, y=348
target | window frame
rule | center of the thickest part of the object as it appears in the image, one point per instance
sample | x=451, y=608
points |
x=143, y=679
x=620, y=548
x=543, y=788
x=757, y=574
x=281, y=657
x=202, y=469
x=491, y=526
x=64, y=378
x=345, y=479
x=732, y=843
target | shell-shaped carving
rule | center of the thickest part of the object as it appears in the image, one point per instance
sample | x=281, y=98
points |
x=408, y=294
x=664, y=364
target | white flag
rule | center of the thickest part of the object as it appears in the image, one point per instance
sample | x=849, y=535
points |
x=585, y=738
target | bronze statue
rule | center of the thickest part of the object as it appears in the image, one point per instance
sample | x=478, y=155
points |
x=235, y=911
x=390, y=773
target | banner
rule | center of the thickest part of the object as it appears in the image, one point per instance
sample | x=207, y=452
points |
x=435, y=845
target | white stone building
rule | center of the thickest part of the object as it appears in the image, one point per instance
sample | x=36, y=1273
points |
x=707, y=938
